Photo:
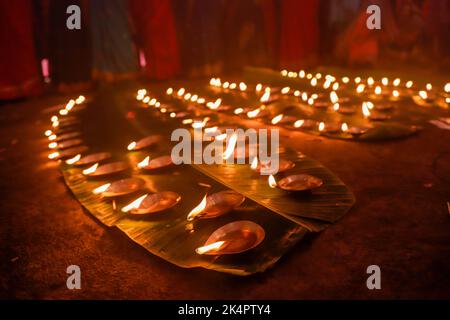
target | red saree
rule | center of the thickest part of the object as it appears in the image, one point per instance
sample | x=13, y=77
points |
x=19, y=74
x=156, y=37
x=299, y=34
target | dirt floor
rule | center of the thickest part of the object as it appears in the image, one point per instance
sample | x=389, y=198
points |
x=400, y=222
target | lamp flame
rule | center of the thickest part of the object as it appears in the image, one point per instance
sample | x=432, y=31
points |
x=254, y=113
x=285, y=90
x=334, y=97
x=74, y=159
x=144, y=162
x=344, y=127
x=299, y=123
x=238, y=111
x=169, y=91
x=423, y=94
x=365, y=110
x=52, y=145
x=242, y=86
x=48, y=133
x=132, y=145
x=378, y=90
x=187, y=121
x=101, y=189
x=321, y=126
x=396, y=82
x=277, y=119
x=197, y=210
x=90, y=169
x=360, y=88
x=385, y=81
x=53, y=155
x=254, y=164
x=135, y=204
x=211, y=247
x=409, y=84
x=265, y=97
x=429, y=86
x=272, y=181
x=80, y=99
x=336, y=107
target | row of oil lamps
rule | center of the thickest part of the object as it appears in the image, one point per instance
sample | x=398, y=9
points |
x=235, y=237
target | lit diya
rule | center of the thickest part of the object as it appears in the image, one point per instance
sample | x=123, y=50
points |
x=232, y=238
x=120, y=187
x=69, y=143
x=296, y=182
x=89, y=159
x=146, y=142
x=357, y=131
x=329, y=127
x=156, y=202
x=216, y=205
x=283, y=165
x=156, y=163
x=106, y=169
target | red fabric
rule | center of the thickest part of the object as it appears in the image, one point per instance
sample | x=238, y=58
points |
x=156, y=33
x=19, y=75
x=299, y=34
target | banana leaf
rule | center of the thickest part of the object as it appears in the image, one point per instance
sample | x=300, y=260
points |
x=110, y=122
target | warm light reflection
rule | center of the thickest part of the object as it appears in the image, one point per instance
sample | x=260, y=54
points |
x=447, y=87
x=370, y=81
x=198, y=209
x=52, y=137
x=135, y=204
x=258, y=87
x=242, y=86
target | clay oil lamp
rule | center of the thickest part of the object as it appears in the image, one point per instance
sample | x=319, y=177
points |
x=155, y=164
x=235, y=237
x=216, y=205
x=373, y=116
x=153, y=203
x=146, y=142
x=354, y=130
x=283, y=165
x=304, y=124
x=106, y=169
x=296, y=182
x=78, y=160
x=120, y=187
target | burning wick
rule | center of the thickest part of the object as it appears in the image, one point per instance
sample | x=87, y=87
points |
x=334, y=97
x=169, y=91
x=181, y=92
x=54, y=119
x=63, y=112
x=135, y=204
x=101, y=189
x=213, y=246
x=396, y=82
x=447, y=87
x=52, y=145
x=344, y=127
x=132, y=145
x=48, y=133
x=144, y=162
x=285, y=90
x=52, y=137
x=378, y=90
x=197, y=210
x=277, y=119
x=272, y=181
x=365, y=110
x=370, y=81
x=74, y=159
x=409, y=84
x=336, y=107
x=360, y=88
x=429, y=86
x=187, y=121
x=385, y=81
x=90, y=169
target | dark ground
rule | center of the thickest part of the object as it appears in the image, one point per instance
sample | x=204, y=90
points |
x=400, y=222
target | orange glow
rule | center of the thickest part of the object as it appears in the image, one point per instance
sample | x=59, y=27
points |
x=429, y=86
x=285, y=90
x=334, y=97
x=378, y=90
x=395, y=93
x=135, y=204
x=211, y=247
x=321, y=126
x=169, y=91
x=423, y=95
x=187, y=121
x=344, y=127
x=52, y=137
x=385, y=81
x=365, y=110
x=197, y=210
x=396, y=82
x=336, y=107
x=370, y=81
x=52, y=145
x=181, y=92
x=70, y=105
x=48, y=133
x=360, y=88
x=265, y=97
x=409, y=84
x=80, y=99
x=63, y=112
x=53, y=155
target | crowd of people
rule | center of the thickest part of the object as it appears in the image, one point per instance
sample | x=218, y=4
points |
x=163, y=39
